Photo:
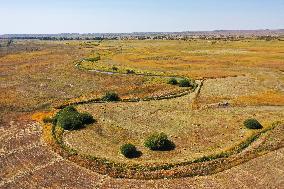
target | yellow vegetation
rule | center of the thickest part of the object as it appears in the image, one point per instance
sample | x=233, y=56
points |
x=264, y=98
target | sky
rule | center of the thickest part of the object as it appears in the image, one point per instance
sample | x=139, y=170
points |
x=118, y=16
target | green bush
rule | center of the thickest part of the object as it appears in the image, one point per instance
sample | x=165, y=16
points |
x=130, y=71
x=93, y=59
x=114, y=68
x=65, y=110
x=70, y=119
x=188, y=83
x=185, y=83
x=252, y=124
x=129, y=151
x=159, y=142
x=173, y=81
x=111, y=96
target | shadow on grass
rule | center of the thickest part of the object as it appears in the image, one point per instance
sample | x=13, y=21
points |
x=137, y=154
x=167, y=146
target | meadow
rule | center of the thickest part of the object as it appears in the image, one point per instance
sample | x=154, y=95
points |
x=235, y=81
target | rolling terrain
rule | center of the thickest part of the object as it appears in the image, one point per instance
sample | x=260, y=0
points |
x=236, y=80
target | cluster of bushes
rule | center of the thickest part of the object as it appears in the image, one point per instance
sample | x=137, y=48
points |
x=155, y=142
x=70, y=119
x=252, y=124
x=182, y=82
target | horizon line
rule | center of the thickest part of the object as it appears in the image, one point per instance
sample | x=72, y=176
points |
x=216, y=30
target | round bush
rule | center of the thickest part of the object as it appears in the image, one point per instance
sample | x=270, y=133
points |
x=129, y=150
x=130, y=71
x=114, y=68
x=63, y=111
x=70, y=119
x=185, y=83
x=252, y=124
x=173, y=81
x=159, y=142
x=111, y=96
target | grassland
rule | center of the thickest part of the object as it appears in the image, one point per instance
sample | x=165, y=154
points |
x=197, y=59
x=237, y=80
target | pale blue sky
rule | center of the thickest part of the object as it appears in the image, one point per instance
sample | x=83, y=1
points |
x=92, y=16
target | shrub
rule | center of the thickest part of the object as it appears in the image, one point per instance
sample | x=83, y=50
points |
x=252, y=124
x=111, y=96
x=173, y=81
x=129, y=151
x=65, y=110
x=70, y=119
x=159, y=142
x=93, y=59
x=130, y=71
x=114, y=68
x=185, y=83
x=188, y=83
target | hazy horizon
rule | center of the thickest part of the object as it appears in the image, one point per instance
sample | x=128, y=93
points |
x=126, y=16
x=137, y=32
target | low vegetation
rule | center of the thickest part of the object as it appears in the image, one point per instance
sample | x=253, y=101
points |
x=93, y=59
x=114, y=68
x=128, y=71
x=252, y=124
x=185, y=83
x=191, y=129
x=182, y=82
x=173, y=81
x=111, y=96
x=159, y=142
x=70, y=119
x=129, y=151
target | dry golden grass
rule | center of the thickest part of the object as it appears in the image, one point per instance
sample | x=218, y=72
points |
x=197, y=59
x=240, y=79
x=241, y=73
x=37, y=80
x=264, y=98
x=196, y=133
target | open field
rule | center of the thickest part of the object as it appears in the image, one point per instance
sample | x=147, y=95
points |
x=197, y=58
x=237, y=80
x=196, y=133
